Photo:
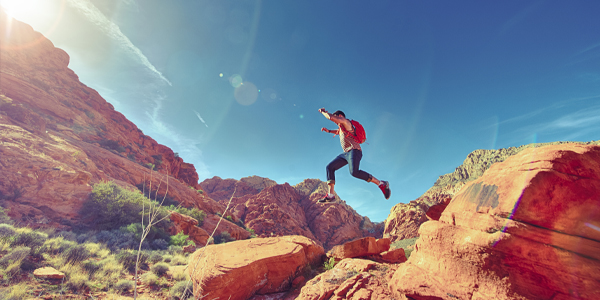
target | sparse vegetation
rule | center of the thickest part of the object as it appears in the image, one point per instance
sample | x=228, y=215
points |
x=406, y=244
x=329, y=264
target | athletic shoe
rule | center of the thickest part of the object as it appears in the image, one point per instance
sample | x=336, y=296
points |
x=326, y=199
x=385, y=188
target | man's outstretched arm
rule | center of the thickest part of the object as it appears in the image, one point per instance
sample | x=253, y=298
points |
x=335, y=119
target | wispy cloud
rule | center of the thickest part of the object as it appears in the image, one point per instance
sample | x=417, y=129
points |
x=94, y=15
x=561, y=121
x=200, y=117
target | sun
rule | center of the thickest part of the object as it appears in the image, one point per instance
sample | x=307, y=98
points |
x=16, y=8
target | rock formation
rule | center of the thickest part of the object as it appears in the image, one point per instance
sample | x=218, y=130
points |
x=58, y=137
x=406, y=218
x=241, y=269
x=527, y=229
x=271, y=209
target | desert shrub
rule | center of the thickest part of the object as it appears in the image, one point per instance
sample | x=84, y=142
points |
x=159, y=244
x=155, y=257
x=224, y=237
x=128, y=259
x=110, y=206
x=179, y=260
x=77, y=278
x=406, y=244
x=177, y=290
x=76, y=254
x=90, y=266
x=4, y=218
x=112, y=145
x=149, y=278
x=160, y=269
x=180, y=274
x=195, y=213
x=15, y=292
x=124, y=285
x=180, y=239
x=28, y=238
x=97, y=250
x=329, y=264
x=17, y=254
x=56, y=245
x=6, y=231
x=167, y=258
x=175, y=249
x=110, y=271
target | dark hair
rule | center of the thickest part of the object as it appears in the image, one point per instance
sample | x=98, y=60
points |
x=339, y=112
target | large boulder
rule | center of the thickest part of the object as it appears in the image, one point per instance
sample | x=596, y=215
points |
x=527, y=229
x=241, y=269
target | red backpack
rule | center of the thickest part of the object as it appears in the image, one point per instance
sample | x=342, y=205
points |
x=359, y=132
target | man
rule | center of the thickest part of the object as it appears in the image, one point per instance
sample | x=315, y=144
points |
x=351, y=156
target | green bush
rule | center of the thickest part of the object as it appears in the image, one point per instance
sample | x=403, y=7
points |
x=155, y=257
x=17, y=254
x=328, y=265
x=56, y=245
x=195, y=213
x=29, y=238
x=111, y=207
x=224, y=237
x=4, y=218
x=149, y=278
x=177, y=290
x=128, y=259
x=179, y=239
x=160, y=269
x=90, y=266
x=76, y=254
x=6, y=232
x=124, y=285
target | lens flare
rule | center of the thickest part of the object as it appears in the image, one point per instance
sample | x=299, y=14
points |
x=235, y=80
x=246, y=93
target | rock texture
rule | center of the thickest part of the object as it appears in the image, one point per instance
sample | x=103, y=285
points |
x=526, y=229
x=48, y=273
x=351, y=279
x=406, y=218
x=271, y=209
x=241, y=269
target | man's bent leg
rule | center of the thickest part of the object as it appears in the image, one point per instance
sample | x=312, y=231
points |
x=354, y=157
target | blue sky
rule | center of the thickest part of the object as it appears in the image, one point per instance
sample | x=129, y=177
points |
x=234, y=86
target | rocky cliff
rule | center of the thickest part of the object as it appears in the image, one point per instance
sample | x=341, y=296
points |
x=406, y=218
x=58, y=137
x=271, y=209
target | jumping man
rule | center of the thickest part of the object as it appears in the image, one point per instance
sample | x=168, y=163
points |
x=351, y=156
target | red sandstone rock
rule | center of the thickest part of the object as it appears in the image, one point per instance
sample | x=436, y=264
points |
x=395, y=256
x=350, y=279
x=280, y=209
x=48, y=273
x=526, y=229
x=241, y=269
x=187, y=225
x=360, y=248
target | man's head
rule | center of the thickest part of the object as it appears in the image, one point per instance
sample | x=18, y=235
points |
x=339, y=113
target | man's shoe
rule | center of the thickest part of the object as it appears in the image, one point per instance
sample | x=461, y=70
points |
x=326, y=199
x=385, y=188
